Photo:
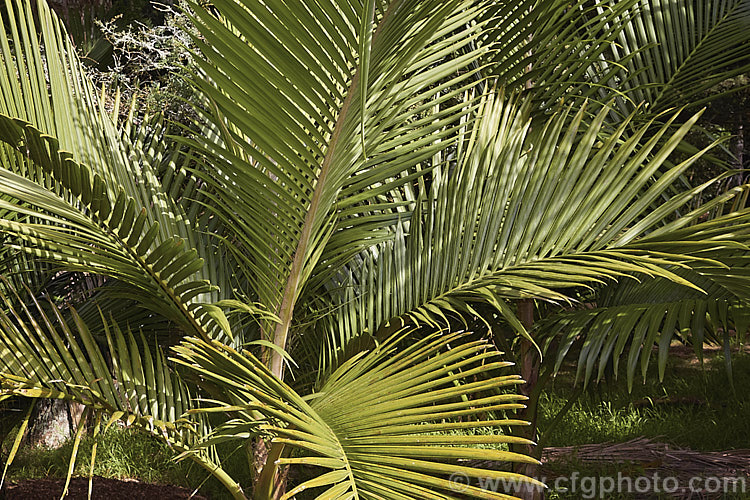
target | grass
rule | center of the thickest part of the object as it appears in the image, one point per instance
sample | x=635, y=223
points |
x=122, y=454
x=694, y=407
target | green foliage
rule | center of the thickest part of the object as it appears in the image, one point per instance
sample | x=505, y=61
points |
x=149, y=65
x=694, y=407
x=120, y=454
x=358, y=181
x=378, y=442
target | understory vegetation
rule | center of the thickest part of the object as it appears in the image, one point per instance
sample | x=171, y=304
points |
x=693, y=408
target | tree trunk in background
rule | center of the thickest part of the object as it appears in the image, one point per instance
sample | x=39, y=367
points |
x=259, y=453
x=53, y=422
x=50, y=424
x=528, y=360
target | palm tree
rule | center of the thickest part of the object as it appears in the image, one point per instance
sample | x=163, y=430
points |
x=367, y=184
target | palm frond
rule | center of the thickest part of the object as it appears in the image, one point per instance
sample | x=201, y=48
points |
x=610, y=334
x=381, y=425
x=557, y=49
x=62, y=140
x=632, y=316
x=529, y=214
x=672, y=52
x=43, y=355
x=319, y=166
x=43, y=84
x=99, y=235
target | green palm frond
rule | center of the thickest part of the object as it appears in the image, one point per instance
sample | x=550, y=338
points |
x=629, y=332
x=530, y=214
x=313, y=150
x=43, y=84
x=557, y=49
x=99, y=235
x=70, y=146
x=674, y=51
x=632, y=316
x=662, y=53
x=44, y=355
x=381, y=425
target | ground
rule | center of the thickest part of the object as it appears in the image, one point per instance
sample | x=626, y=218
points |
x=109, y=489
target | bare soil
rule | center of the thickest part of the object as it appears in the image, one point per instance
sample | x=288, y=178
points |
x=103, y=488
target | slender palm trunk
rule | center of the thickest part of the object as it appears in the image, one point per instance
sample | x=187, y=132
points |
x=529, y=362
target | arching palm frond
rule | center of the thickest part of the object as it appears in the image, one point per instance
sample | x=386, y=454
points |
x=86, y=179
x=97, y=234
x=559, y=50
x=531, y=214
x=43, y=355
x=674, y=51
x=381, y=425
x=628, y=332
x=44, y=85
x=632, y=316
x=338, y=112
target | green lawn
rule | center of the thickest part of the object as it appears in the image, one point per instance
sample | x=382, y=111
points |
x=120, y=454
x=694, y=407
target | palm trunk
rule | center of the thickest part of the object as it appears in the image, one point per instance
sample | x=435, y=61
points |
x=528, y=360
